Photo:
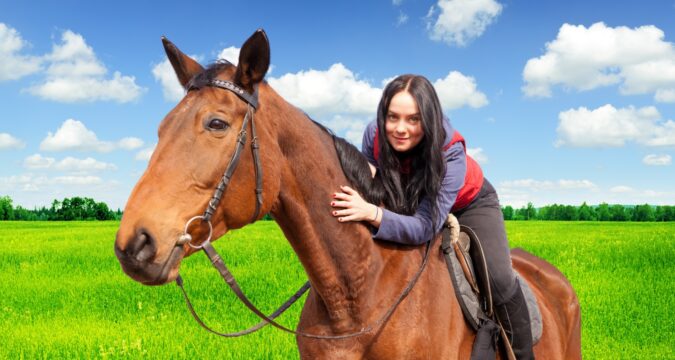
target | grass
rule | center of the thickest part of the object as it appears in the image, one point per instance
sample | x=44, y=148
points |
x=65, y=296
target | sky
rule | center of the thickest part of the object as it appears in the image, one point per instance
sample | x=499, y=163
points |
x=559, y=101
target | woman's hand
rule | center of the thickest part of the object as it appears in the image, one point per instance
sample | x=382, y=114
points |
x=350, y=206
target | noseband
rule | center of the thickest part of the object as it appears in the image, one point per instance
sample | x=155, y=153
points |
x=185, y=238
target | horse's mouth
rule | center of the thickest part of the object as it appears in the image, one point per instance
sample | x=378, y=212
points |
x=151, y=273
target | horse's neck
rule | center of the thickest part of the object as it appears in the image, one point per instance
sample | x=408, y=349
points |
x=340, y=259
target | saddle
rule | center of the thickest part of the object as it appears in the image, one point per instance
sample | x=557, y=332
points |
x=470, y=279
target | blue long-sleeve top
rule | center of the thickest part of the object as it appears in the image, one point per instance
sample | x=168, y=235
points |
x=418, y=228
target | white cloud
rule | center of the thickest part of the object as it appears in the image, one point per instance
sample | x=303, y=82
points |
x=478, y=155
x=518, y=193
x=37, y=161
x=33, y=190
x=33, y=183
x=458, y=90
x=350, y=127
x=608, y=126
x=77, y=180
x=396, y=2
x=586, y=58
x=544, y=192
x=76, y=74
x=145, y=154
x=68, y=164
x=547, y=185
x=657, y=160
x=8, y=141
x=333, y=91
x=402, y=18
x=74, y=135
x=461, y=21
x=87, y=164
x=230, y=54
x=171, y=88
x=130, y=143
x=621, y=189
x=13, y=65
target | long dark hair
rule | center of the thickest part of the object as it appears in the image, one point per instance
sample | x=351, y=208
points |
x=405, y=190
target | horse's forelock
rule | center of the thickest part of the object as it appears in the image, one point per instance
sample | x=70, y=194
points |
x=211, y=72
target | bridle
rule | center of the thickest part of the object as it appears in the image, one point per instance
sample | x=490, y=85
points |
x=185, y=238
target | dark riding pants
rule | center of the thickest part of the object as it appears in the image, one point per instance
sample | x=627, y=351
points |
x=484, y=216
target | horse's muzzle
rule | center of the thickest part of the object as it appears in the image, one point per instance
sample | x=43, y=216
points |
x=137, y=256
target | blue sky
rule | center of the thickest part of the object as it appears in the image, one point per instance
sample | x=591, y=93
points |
x=560, y=102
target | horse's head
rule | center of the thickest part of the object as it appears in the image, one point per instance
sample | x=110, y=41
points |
x=197, y=140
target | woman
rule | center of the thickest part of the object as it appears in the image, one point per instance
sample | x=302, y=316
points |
x=426, y=173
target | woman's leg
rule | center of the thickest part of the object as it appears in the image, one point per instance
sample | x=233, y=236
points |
x=484, y=217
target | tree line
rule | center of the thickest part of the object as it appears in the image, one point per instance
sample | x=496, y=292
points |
x=75, y=208
x=585, y=212
x=83, y=208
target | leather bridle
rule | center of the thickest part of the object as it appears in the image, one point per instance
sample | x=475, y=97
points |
x=185, y=238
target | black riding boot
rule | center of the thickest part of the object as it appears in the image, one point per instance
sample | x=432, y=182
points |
x=515, y=320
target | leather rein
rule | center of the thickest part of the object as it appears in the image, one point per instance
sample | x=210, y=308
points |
x=252, y=104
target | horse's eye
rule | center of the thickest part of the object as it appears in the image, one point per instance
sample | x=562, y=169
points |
x=217, y=124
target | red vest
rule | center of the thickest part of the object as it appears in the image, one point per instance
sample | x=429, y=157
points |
x=473, y=180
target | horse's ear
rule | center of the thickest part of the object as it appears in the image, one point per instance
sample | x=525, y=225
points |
x=184, y=66
x=254, y=60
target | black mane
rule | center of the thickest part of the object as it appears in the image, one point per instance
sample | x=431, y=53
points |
x=356, y=169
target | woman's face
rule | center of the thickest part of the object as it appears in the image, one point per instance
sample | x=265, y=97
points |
x=403, y=122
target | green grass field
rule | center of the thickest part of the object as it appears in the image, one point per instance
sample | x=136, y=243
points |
x=63, y=294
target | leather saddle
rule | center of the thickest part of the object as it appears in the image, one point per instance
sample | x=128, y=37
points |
x=471, y=280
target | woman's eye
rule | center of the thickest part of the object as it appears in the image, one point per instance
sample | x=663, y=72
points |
x=217, y=124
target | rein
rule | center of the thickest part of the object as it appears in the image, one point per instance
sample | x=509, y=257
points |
x=219, y=264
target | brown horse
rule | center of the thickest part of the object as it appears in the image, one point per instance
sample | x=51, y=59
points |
x=354, y=279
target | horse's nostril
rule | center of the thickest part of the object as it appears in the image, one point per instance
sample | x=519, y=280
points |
x=144, y=247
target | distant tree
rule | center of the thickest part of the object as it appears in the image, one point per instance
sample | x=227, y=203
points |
x=569, y=213
x=643, y=213
x=602, y=213
x=618, y=213
x=585, y=212
x=6, y=208
x=549, y=212
x=520, y=214
x=669, y=213
x=101, y=212
x=531, y=212
x=507, y=211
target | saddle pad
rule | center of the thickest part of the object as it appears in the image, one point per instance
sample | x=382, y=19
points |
x=532, y=308
x=469, y=301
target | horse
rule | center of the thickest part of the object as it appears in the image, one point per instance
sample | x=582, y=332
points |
x=354, y=279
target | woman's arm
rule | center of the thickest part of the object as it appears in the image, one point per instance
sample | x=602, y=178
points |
x=414, y=229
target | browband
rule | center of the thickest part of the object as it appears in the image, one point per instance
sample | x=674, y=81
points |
x=251, y=99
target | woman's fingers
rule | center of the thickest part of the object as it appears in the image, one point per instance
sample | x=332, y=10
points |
x=352, y=217
x=348, y=190
x=341, y=196
x=344, y=212
x=341, y=204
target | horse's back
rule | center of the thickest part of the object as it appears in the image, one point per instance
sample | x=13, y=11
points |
x=558, y=303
